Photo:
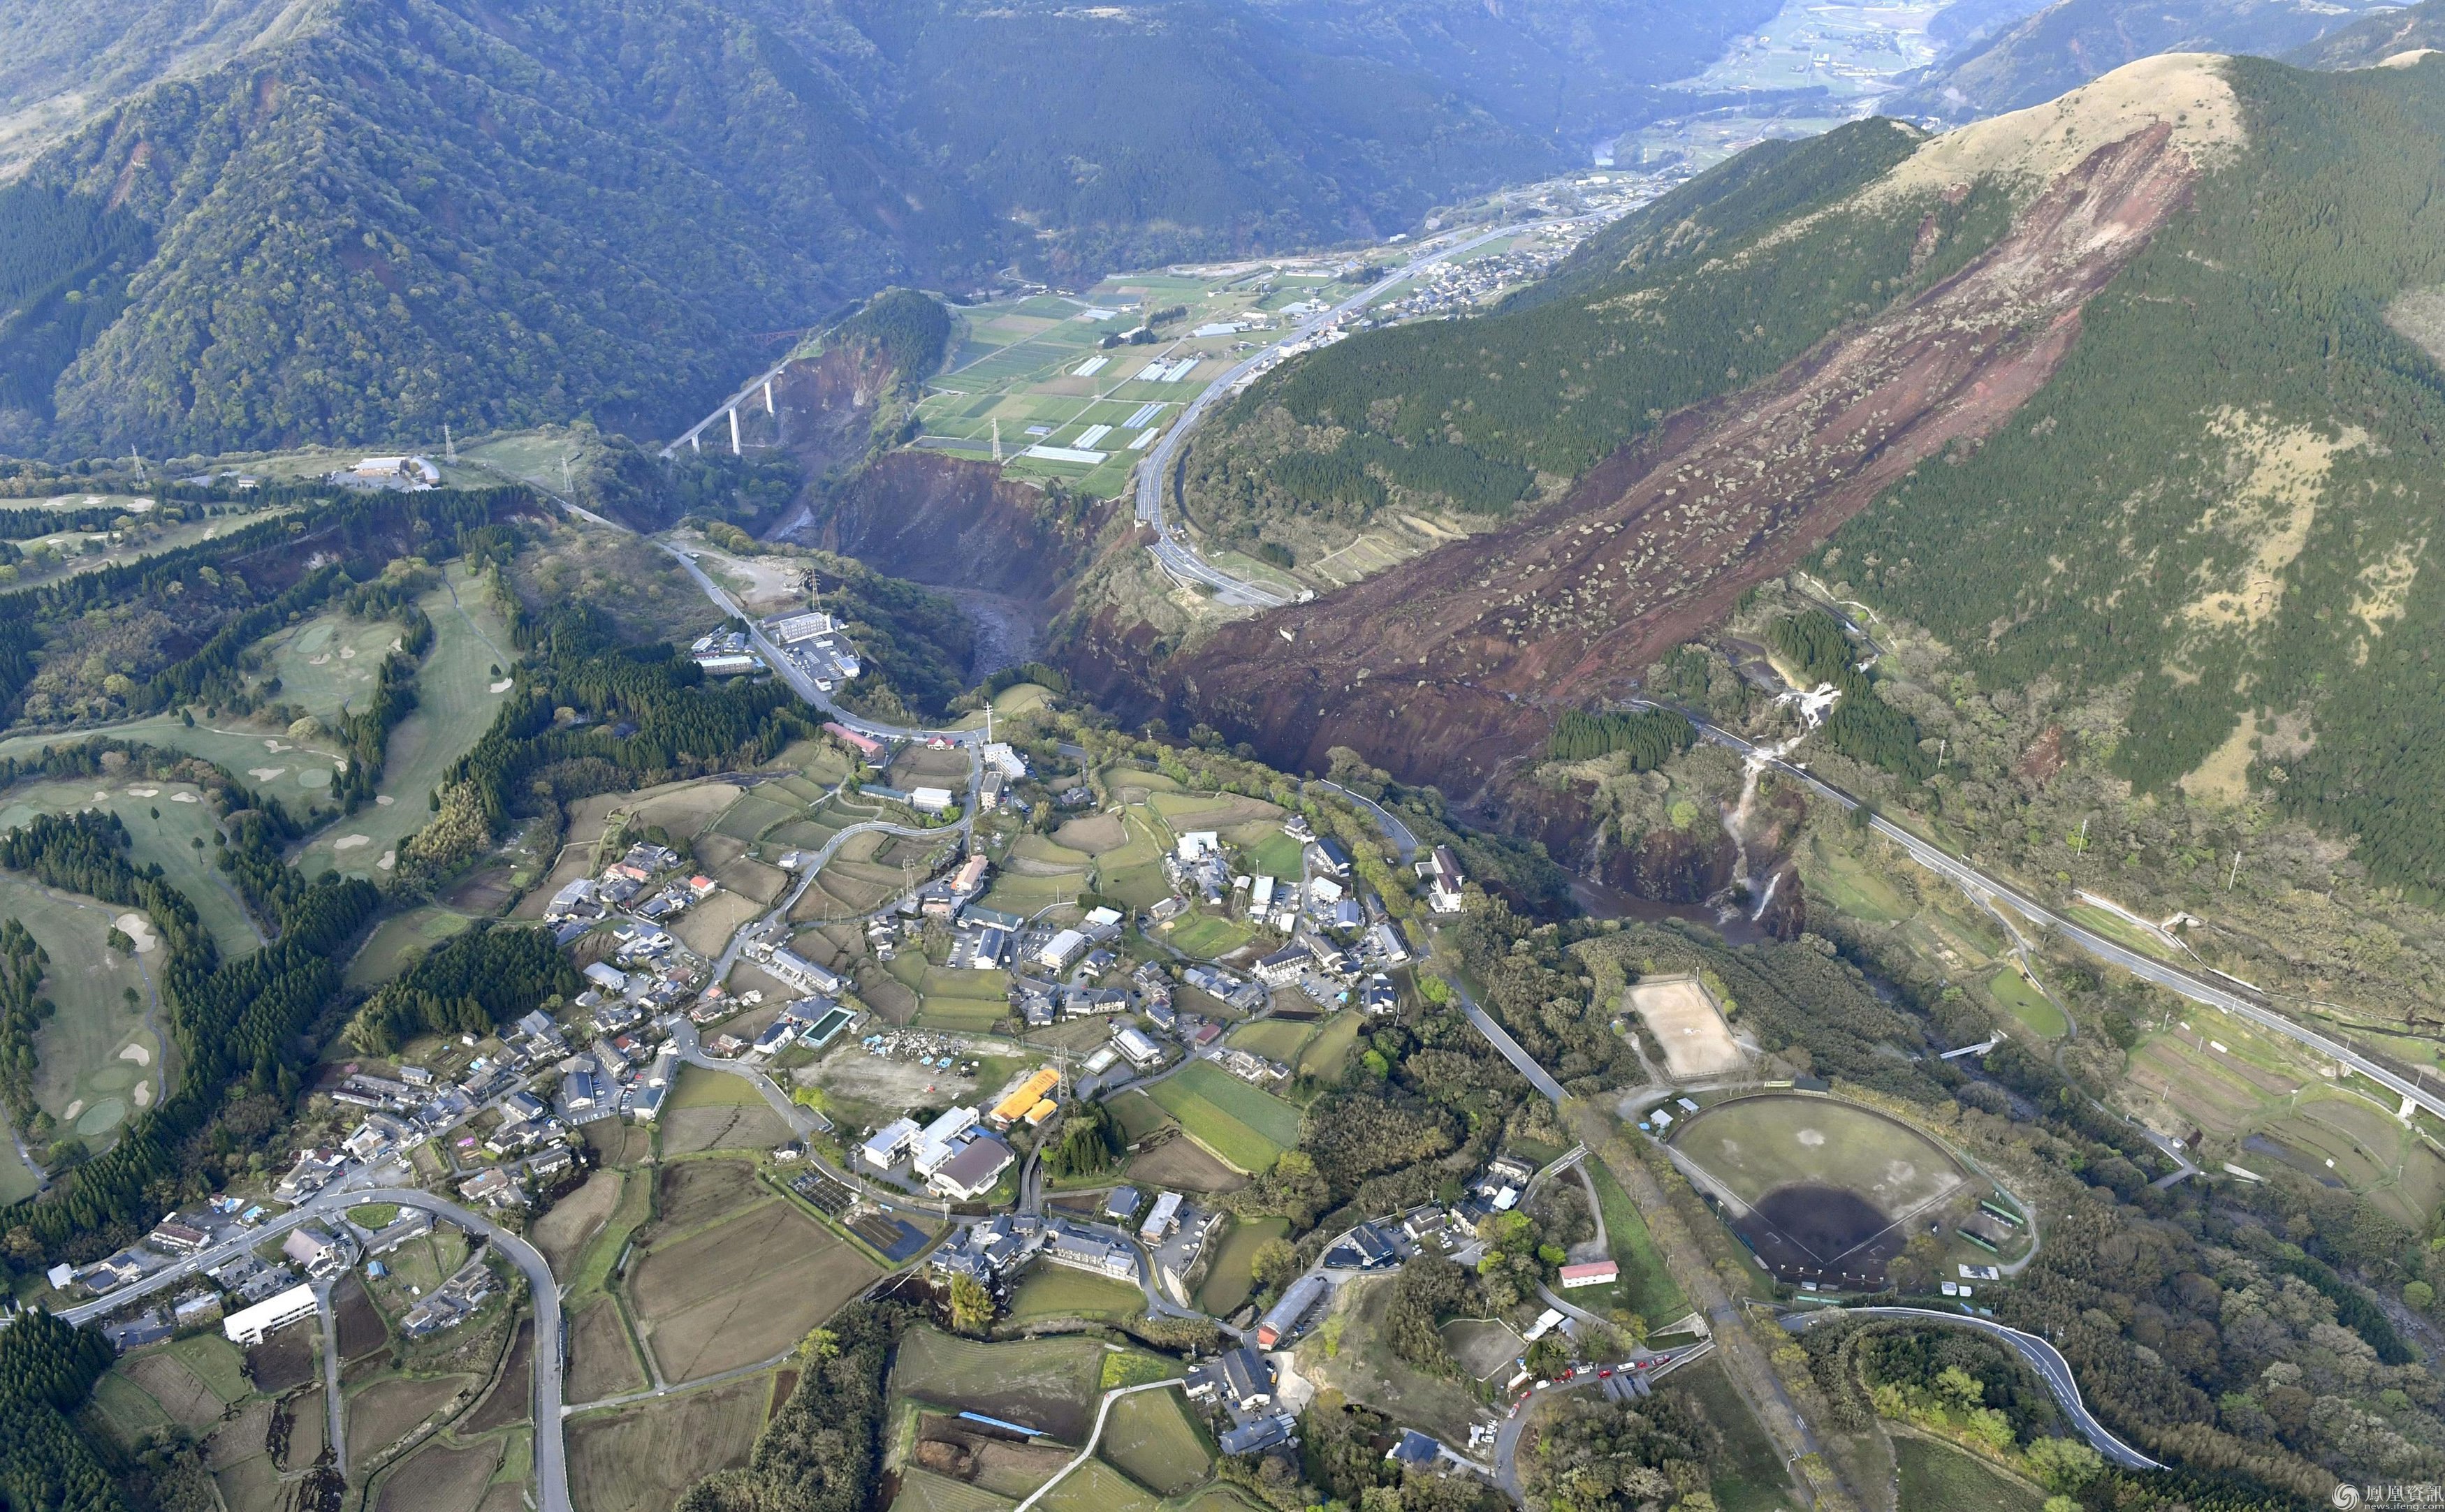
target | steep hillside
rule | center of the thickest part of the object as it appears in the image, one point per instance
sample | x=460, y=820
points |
x=2390, y=34
x=2170, y=439
x=2073, y=41
x=356, y=219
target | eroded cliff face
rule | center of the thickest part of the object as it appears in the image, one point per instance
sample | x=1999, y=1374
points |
x=940, y=520
x=1450, y=667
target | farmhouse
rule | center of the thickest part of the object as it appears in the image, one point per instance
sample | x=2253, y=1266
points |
x=1594, y=1273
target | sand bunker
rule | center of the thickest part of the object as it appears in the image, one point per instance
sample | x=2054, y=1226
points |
x=142, y=1094
x=503, y=685
x=265, y=774
x=144, y=793
x=184, y=797
x=349, y=842
x=67, y=1114
x=141, y=1055
x=384, y=800
x=139, y=929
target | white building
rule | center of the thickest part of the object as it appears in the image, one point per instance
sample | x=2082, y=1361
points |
x=1140, y=1050
x=931, y=801
x=889, y=1143
x=1198, y=843
x=934, y=1142
x=247, y=1327
x=1063, y=950
x=1444, y=881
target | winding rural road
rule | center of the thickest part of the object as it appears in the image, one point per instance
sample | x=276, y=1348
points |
x=2042, y=1357
x=1403, y=840
x=2148, y=968
x=1171, y=550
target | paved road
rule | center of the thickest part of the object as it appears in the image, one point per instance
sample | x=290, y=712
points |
x=1386, y=820
x=1177, y=556
x=2173, y=978
x=2041, y=1356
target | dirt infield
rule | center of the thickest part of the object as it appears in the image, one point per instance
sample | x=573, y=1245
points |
x=601, y=1363
x=1682, y=1015
x=742, y=1290
x=644, y=1458
x=438, y=1478
x=563, y=1233
x=388, y=1411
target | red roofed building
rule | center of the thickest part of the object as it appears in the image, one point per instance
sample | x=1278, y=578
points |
x=1595, y=1273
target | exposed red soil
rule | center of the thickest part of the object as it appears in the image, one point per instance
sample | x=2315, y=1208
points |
x=1441, y=669
x=937, y=519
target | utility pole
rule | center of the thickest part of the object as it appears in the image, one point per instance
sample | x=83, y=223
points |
x=2081, y=844
x=566, y=486
x=1942, y=746
x=449, y=447
x=2233, y=875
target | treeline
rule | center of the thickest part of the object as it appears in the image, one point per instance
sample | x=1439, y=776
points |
x=20, y=525
x=237, y=1025
x=47, y=1369
x=1862, y=727
x=23, y=1008
x=64, y=264
x=470, y=984
x=823, y=1451
x=1653, y=737
x=1349, y=473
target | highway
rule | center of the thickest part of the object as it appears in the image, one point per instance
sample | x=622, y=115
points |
x=2041, y=1357
x=1178, y=558
x=1982, y=886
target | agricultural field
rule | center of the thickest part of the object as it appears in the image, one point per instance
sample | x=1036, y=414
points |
x=713, y=1109
x=731, y=1291
x=97, y=1058
x=644, y=1456
x=1935, y=1474
x=1247, y=1128
x=1207, y=936
x=1055, y=1291
x=1050, y=1382
x=1179, y=1164
x=1030, y=370
x=165, y=820
x=921, y=1491
x=1095, y=1486
x=1228, y=1283
x=1277, y=855
x=1316, y=1051
x=1646, y=1287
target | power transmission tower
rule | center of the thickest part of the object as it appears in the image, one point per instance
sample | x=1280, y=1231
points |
x=449, y=447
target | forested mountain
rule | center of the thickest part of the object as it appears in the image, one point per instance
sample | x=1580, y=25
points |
x=2366, y=43
x=356, y=219
x=2073, y=41
x=2133, y=395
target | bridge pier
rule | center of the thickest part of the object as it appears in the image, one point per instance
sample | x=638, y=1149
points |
x=768, y=398
x=733, y=412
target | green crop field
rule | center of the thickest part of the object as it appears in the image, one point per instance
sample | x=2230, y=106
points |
x=1277, y=855
x=1095, y=1486
x=1275, y=1038
x=1247, y=1128
x=1056, y=1291
x=1150, y=1438
x=1207, y=936
x=457, y=695
x=95, y=1058
x=1754, y=1145
x=1227, y=1283
x=923, y=1491
x=164, y=819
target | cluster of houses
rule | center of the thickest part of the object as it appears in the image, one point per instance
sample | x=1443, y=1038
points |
x=455, y=1300
x=953, y=1154
x=1240, y=1384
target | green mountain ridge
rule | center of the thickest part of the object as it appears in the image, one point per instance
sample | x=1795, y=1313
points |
x=365, y=218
